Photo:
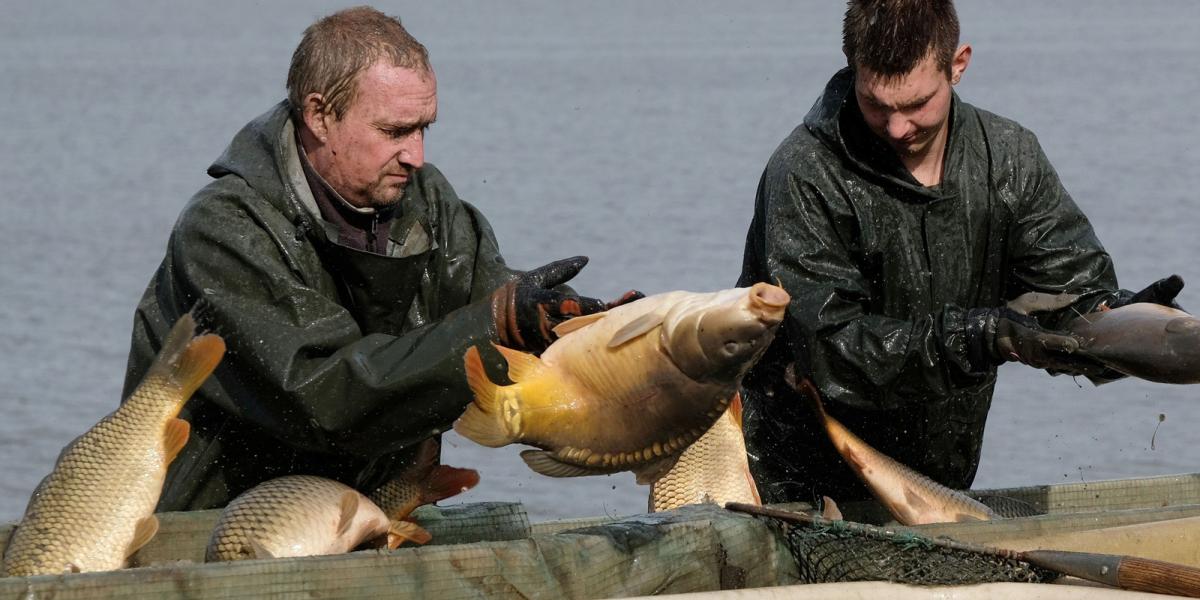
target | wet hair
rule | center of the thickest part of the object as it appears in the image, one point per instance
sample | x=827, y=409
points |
x=890, y=37
x=338, y=48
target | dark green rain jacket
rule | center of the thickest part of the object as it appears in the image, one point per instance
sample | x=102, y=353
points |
x=881, y=271
x=338, y=361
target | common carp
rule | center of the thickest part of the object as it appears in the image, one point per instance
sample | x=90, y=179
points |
x=303, y=515
x=714, y=469
x=628, y=389
x=96, y=507
x=912, y=498
x=1144, y=340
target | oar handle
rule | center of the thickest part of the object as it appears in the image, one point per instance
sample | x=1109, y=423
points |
x=1148, y=575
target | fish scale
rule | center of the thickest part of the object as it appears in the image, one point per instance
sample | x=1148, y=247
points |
x=96, y=506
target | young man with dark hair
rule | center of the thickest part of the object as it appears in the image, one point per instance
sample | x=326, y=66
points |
x=901, y=219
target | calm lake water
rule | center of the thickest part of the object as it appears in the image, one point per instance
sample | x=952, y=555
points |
x=632, y=132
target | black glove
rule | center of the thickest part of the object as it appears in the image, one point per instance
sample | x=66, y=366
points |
x=996, y=335
x=527, y=309
x=1162, y=292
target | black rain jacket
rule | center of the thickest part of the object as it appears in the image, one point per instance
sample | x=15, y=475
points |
x=881, y=271
x=338, y=361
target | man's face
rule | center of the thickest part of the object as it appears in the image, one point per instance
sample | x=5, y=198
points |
x=909, y=112
x=370, y=153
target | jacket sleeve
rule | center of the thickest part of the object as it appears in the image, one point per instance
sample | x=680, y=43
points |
x=1051, y=245
x=856, y=357
x=297, y=364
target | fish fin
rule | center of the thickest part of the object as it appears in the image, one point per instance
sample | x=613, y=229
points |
x=142, y=534
x=446, y=481
x=916, y=504
x=521, y=366
x=830, y=509
x=175, y=437
x=577, y=323
x=735, y=409
x=965, y=518
x=402, y=531
x=636, y=328
x=653, y=471
x=348, y=507
x=482, y=422
x=547, y=464
x=187, y=359
x=1031, y=302
x=257, y=550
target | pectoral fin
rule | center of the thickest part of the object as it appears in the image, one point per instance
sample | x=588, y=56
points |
x=348, y=507
x=406, y=531
x=142, y=534
x=257, y=550
x=830, y=509
x=636, y=328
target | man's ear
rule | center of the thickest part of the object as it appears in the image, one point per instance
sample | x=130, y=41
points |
x=316, y=114
x=962, y=59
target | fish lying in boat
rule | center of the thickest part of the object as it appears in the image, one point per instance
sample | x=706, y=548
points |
x=911, y=498
x=96, y=508
x=303, y=515
x=628, y=389
x=1148, y=341
x=714, y=469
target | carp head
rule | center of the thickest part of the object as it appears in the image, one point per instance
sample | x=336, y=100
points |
x=719, y=336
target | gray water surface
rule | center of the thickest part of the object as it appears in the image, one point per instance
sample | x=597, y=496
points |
x=632, y=132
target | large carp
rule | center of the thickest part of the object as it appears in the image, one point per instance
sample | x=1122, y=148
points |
x=304, y=515
x=96, y=507
x=628, y=389
x=714, y=469
x=912, y=498
x=1144, y=340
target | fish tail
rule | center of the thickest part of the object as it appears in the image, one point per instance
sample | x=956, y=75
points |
x=482, y=422
x=446, y=481
x=187, y=359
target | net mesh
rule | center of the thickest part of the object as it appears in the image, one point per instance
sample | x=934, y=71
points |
x=838, y=551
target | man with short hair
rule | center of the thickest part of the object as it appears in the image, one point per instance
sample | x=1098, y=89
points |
x=901, y=220
x=345, y=274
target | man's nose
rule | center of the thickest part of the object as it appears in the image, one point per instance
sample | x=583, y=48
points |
x=412, y=150
x=898, y=126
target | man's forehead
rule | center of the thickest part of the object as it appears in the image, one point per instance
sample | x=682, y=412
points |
x=918, y=84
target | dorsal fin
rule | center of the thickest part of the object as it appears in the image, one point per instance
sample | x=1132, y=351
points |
x=636, y=328
x=577, y=323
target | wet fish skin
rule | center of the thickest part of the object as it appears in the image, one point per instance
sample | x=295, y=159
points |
x=96, y=507
x=295, y=515
x=628, y=389
x=714, y=469
x=911, y=498
x=1149, y=341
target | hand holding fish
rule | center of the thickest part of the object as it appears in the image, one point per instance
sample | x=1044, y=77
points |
x=1161, y=292
x=1008, y=333
x=528, y=308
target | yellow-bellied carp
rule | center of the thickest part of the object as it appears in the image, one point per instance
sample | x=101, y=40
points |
x=712, y=470
x=1144, y=340
x=628, y=389
x=303, y=515
x=912, y=498
x=96, y=507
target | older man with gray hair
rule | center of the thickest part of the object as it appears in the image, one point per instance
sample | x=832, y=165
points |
x=346, y=275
